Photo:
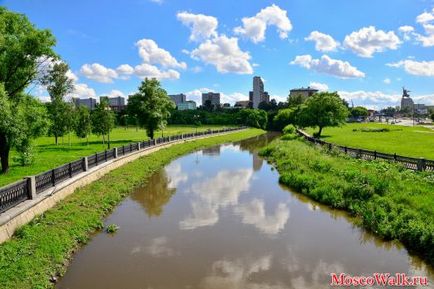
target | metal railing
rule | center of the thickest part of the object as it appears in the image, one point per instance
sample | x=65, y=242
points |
x=16, y=193
x=417, y=164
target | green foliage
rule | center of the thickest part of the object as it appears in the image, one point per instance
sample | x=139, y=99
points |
x=289, y=129
x=23, y=49
x=254, y=118
x=321, y=110
x=296, y=100
x=285, y=117
x=432, y=116
x=42, y=248
x=386, y=198
x=359, y=111
x=112, y=228
x=151, y=105
x=103, y=120
x=83, y=123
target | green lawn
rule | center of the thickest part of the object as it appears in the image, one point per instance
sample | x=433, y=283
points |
x=406, y=141
x=48, y=155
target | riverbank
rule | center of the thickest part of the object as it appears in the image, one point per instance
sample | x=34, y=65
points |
x=41, y=250
x=386, y=199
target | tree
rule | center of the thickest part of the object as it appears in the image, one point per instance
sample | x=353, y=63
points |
x=322, y=110
x=83, y=123
x=432, y=116
x=103, y=121
x=58, y=85
x=151, y=105
x=284, y=117
x=359, y=111
x=296, y=100
x=22, y=123
x=24, y=49
x=389, y=111
x=254, y=118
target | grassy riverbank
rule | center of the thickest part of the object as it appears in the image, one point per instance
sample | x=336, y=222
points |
x=389, y=200
x=48, y=155
x=408, y=141
x=42, y=248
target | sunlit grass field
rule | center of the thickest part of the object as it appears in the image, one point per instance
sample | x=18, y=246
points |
x=48, y=155
x=414, y=141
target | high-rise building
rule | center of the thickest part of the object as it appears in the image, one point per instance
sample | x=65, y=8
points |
x=258, y=94
x=90, y=103
x=178, y=98
x=213, y=97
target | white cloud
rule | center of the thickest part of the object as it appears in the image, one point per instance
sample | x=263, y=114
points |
x=98, y=72
x=115, y=93
x=319, y=86
x=82, y=90
x=368, y=41
x=196, y=94
x=157, y=1
x=420, y=68
x=327, y=65
x=159, y=248
x=202, y=26
x=323, y=42
x=426, y=20
x=387, y=81
x=225, y=54
x=406, y=29
x=425, y=17
x=256, y=26
x=145, y=70
x=125, y=69
x=152, y=54
x=71, y=75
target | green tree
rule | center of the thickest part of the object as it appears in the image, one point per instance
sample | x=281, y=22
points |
x=151, y=105
x=22, y=123
x=24, y=49
x=103, y=121
x=284, y=117
x=359, y=111
x=432, y=116
x=58, y=85
x=322, y=110
x=254, y=118
x=83, y=123
x=296, y=100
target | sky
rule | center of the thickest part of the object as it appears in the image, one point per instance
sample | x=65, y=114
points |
x=366, y=50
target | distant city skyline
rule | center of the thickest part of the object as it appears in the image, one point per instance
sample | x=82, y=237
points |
x=365, y=50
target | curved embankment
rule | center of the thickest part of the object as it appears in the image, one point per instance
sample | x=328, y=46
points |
x=386, y=198
x=40, y=250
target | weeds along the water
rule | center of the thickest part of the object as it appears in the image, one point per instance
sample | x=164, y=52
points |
x=389, y=200
x=40, y=250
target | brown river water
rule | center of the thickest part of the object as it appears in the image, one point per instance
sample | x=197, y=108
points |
x=219, y=219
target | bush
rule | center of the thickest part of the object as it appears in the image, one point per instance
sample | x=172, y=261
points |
x=289, y=129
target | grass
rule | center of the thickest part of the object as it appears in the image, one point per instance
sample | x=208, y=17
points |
x=406, y=141
x=385, y=198
x=48, y=155
x=41, y=249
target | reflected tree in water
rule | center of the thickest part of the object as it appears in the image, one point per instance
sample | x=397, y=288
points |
x=155, y=194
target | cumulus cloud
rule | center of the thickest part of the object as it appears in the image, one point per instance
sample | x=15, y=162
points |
x=426, y=19
x=255, y=27
x=323, y=42
x=327, y=65
x=98, y=72
x=407, y=31
x=152, y=54
x=145, y=70
x=125, y=69
x=419, y=68
x=319, y=86
x=82, y=90
x=202, y=26
x=369, y=40
x=224, y=53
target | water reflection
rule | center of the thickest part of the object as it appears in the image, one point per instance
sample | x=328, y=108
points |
x=156, y=194
x=223, y=221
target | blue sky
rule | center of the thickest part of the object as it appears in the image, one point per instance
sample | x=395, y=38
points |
x=366, y=50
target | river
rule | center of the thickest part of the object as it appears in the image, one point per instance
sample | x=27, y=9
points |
x=219, y=219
